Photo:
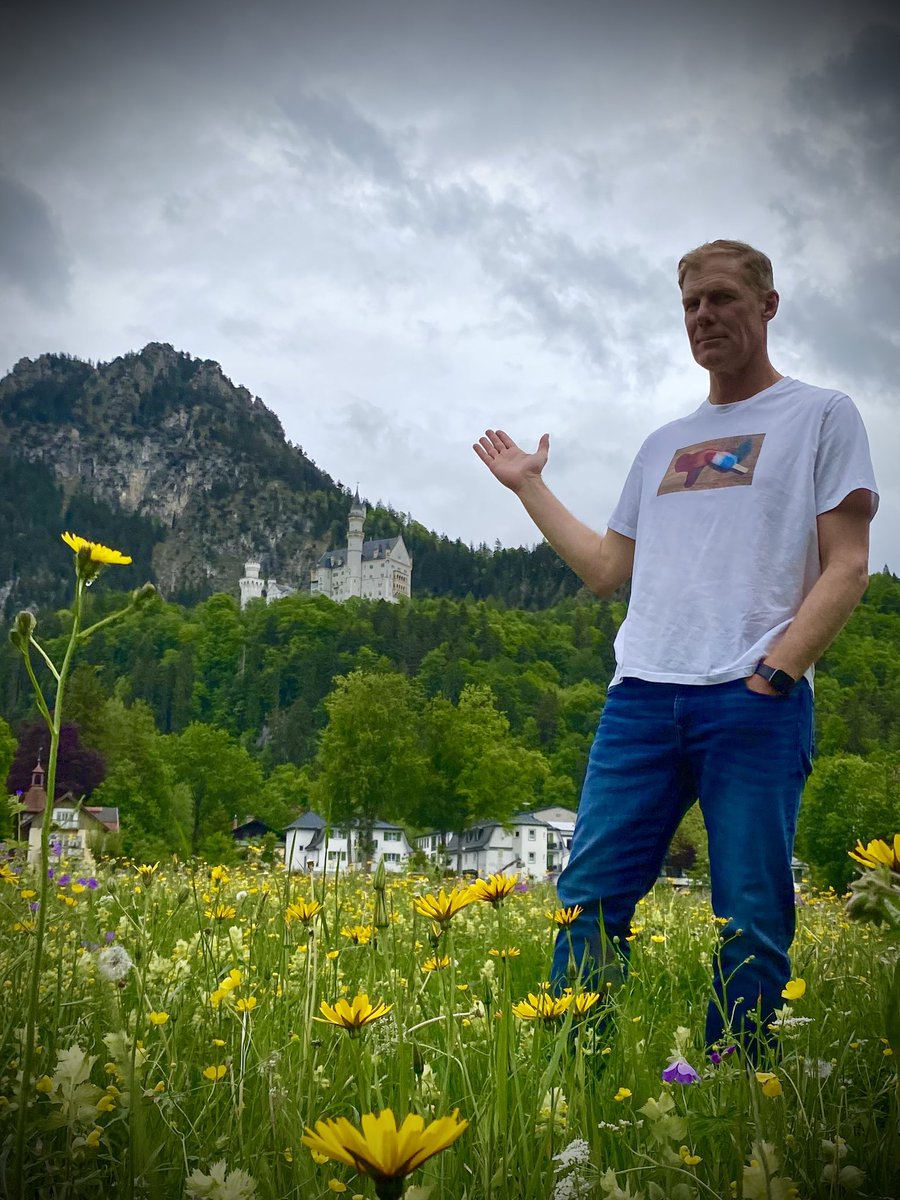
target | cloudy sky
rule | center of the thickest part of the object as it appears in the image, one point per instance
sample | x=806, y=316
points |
x=400, y=222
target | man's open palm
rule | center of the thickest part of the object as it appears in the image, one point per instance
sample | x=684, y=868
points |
x=507, y=461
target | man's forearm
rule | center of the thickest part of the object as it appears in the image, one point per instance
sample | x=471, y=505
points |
x=820, y=618
x=579, y=546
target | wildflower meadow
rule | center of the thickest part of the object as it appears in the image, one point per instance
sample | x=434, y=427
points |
x=203, y=1032
x=185, y=1029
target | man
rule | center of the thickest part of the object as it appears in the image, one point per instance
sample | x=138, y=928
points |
x=744, y=529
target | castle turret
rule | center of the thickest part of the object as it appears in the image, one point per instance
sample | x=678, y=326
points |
x=251, y=585
x=356, y=521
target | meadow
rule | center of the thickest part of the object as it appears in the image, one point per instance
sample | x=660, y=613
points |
x=194, y=1023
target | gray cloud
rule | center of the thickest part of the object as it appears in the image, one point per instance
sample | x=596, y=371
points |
x=32, y=254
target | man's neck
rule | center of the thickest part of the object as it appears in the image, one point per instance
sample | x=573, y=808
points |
x=727, y=389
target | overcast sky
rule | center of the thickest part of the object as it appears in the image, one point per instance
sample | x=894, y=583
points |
x=400, y=222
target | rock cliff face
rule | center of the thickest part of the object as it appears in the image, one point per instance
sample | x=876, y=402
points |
x=200, y=466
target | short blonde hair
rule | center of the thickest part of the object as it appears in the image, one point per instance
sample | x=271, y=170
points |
x=757, y=267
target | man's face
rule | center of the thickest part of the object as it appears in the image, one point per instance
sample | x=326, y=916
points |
x=724, y=316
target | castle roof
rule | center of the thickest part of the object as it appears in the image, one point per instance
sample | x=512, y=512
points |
x=378, y=548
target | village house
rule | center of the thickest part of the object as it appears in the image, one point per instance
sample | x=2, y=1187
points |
x=74, y=828
x=531, y=844
x=311, y=848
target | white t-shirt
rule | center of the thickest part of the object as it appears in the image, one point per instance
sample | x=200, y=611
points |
x=722, y=505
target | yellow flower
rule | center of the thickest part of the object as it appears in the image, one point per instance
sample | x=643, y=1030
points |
x=304, y=911
x=146, y=871
x=443, y=907
x=437, y=964
x=92, y=555
x=246, y=1005
x=543, y=1007
x=332, y=954
x=770, y=1083
x=657, y=937
x=508, y=952
x=583, y=1002
x=381, y=1149
x=689, y=1160
x=353, y=1016
x=359, y=935
x=878, y=854
x=335, y=1185
x=564, y=917
x=93, y=1138
x=214, y=1073
x=158, y=1018
x=622, y=1094
x=794, y=989
x=105, y=1104
x=44, y=1084
x=218, y=1042
x=221, y=912
x=219, y=875
x=494, y=889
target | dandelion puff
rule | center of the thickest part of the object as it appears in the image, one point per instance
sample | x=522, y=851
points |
x=114, y=963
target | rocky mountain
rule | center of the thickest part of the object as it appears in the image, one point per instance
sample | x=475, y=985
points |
x=199, y=470
x=161, y=455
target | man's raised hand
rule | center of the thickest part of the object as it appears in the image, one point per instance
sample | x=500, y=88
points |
x=508, y=462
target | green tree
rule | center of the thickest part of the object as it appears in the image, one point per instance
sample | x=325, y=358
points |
x=7, y=753
x=222, y=780
x=139, y=780
x=481, y=771
x=847, y=798
x=371, y=762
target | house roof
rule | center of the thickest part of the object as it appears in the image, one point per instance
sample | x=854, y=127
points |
x=307, y=820
x=109, y=816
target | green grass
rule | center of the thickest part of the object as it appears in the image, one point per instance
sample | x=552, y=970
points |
x=130, y=1112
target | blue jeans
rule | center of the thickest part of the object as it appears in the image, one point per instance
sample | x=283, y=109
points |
x=658, y=748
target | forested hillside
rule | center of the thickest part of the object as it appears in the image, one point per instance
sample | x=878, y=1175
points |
x=205, y=712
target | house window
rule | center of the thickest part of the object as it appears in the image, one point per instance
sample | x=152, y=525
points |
x=391, y=856
x=334, y=855
x=391, y=835
x=531, y=835
x=531, y=856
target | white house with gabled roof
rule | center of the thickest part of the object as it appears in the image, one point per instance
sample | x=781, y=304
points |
x=310, y=846
x=529, y=845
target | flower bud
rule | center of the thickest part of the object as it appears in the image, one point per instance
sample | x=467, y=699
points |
x=26, y=623
x=141, y=595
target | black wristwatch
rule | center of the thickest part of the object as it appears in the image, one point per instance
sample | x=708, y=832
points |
x=779, y=680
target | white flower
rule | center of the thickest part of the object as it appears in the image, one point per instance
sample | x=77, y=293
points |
x=817, y=1068
x=576, y=1186
x=575, y=1153
x=220, y=1184
x=241, y=895
x=114, y=963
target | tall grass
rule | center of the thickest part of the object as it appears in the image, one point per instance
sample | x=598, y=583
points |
x=211, y=1048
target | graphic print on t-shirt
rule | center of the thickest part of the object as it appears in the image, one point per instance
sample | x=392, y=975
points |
x=717, y=463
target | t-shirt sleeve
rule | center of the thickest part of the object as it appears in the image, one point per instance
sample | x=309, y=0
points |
x=624, y=517
x=843, y=460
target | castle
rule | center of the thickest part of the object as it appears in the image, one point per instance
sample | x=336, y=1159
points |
x=375, y=570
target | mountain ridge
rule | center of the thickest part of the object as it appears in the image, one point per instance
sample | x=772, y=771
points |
x=164, y=447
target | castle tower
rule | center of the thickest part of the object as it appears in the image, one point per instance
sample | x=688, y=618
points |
x=356, y=521
x=251, y=585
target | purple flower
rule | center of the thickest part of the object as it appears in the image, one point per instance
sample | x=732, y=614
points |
x=680, y=1071
x=110, y=935
x=715, y=1057
x=63, y=880
x=92, y=884
x=34, y=905
x=50, y=872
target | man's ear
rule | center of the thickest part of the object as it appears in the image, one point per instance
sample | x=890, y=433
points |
x=770, y=305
